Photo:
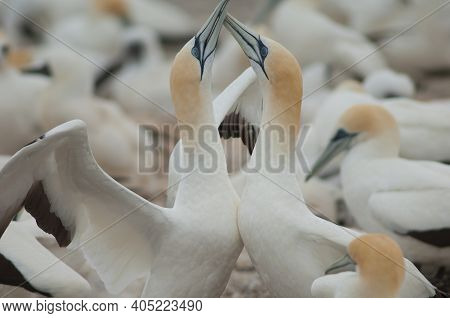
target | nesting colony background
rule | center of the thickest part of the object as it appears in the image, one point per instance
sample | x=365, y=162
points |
x=415, y=74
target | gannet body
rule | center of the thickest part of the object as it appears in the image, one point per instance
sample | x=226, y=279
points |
x=289, y=246
x=187, y=251
x=386, y=194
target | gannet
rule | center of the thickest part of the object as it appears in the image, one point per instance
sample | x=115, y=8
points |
x=45, y=13
x=289, y=246
x=380, y=270
x=26, y=263
x=405, y=199
x=314, y=37
x=387, y=83
x=419, y=122
x=18, y=102
x=96, y=32
x=187, y=251
x=141, y=63
x=167, y=19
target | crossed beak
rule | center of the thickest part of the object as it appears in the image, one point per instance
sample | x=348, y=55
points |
x=208, y=36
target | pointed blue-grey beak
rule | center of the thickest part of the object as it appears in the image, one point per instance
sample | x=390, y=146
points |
x=250, y=42
x=339, y=143
x=208, y=36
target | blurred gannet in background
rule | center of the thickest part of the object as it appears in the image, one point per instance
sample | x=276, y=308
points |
x=187, y=251
x=96, y=32
x=380, y=271
x=26, y=263
x=289, y=246
x=313, y=37
x=18, y=105
x=113, y=134
x=366, y=16
x=168, y=20
x=40, y=15
x=143, y=62
x=386, y=83
x=419, y=122
x=406, y=199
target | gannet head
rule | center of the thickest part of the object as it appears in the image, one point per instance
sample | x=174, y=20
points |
x=380, y=263
x=359, y=124
x=275, y=66
x=190, y=77
x=278, y=71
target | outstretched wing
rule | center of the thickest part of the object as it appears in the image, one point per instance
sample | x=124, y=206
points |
x=59, y=182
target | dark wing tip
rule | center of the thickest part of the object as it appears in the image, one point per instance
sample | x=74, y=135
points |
x=11, y=276
x=236, y=126
x=38, y=205
x=439, y=238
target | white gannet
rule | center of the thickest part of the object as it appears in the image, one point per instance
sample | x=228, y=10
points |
x=418, y=122
x=313, y=37
x=289, y=246
x=113, y=134
x=386, y=83
x=405, y=199
x=26, y=263
x=167, y=19
x=142, y=62
x=380, y=270
x=40, y=15
x=18, y=103
x=187, y=251
x=96, y=32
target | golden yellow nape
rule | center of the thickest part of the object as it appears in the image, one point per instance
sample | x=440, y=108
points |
x=380, y=262
x=285, y=85
x=185, y=86
x=115, y=7
x=372, y=119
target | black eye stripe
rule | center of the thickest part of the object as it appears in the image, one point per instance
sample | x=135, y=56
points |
x=342, y=134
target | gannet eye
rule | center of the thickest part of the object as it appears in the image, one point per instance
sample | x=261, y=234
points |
x=196, y=52
x=264, y=52
x=341, y=134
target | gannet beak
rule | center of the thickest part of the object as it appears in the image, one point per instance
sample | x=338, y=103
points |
x=340, y=142
x=44, y=70
x=340, y=265
x=208, y=36
x=249, y=41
